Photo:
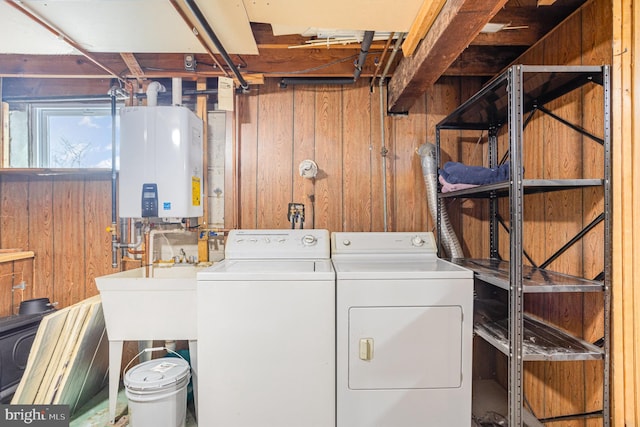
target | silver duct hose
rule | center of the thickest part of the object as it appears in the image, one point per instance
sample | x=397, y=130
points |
x=427, y=153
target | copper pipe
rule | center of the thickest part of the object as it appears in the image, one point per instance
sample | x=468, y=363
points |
x=20, y=6
x=145, y=254
x=384, y=53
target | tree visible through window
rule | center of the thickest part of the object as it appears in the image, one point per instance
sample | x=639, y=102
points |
x=73, y=137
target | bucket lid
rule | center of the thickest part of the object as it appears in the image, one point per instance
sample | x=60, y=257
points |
x=156, y=374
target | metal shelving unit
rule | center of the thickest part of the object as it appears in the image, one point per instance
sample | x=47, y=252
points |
x=510, y=100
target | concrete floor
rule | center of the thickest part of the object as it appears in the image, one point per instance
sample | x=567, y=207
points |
x=96, y=412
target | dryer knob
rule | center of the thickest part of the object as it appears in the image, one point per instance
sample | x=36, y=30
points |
x=309, y=240
x=346, y=242
x=417, y=241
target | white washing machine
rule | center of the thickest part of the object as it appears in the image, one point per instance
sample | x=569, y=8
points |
x=404, y=332
x=266, y=332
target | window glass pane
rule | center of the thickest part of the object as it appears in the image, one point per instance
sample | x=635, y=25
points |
x=78, y=140
x=18, y=139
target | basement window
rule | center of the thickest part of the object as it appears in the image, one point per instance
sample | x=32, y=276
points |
x=72, y=136
x=62, y=136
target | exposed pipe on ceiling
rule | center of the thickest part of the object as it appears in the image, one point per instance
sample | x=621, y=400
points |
x=186, y=19
x=193, y=7
x=285, y=81
x=367, y=40
x=381, y=61
x=21, y=7
x=396, y=48
x=364, y=51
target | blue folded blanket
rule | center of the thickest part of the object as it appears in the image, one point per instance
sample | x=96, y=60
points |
x=457, y=173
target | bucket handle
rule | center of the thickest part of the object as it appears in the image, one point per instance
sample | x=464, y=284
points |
x=149, y=350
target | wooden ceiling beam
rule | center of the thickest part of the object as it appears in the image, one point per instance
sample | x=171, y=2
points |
x=273, y=63
x=485, y=61
x=420, y=26
x=458, y=23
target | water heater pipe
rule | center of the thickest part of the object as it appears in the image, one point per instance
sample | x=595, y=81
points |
x=176, y=91
x=152, y=93
x=114, y=175
x=113, y=229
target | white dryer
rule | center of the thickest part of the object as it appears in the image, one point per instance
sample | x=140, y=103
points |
x=266, y=331
x=404, y=332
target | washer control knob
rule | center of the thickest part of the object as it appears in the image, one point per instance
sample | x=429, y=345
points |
x=417, y=241
x=309, y=240
x=346, y=242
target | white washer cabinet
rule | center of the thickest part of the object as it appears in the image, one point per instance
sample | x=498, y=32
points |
x=266, y=322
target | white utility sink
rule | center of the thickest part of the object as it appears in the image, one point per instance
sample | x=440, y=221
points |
x=162, y=307
x=139, y=308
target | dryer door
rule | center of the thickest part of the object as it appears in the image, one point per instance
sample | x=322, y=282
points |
x=405, y=347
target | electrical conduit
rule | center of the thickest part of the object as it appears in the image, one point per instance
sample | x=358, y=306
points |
x=383, y=150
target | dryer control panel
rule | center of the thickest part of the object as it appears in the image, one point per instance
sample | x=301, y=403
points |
x=383, y=243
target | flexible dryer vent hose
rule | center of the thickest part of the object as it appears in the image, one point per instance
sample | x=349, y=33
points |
x=427, y=153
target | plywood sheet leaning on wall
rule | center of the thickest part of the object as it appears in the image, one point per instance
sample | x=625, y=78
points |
x=86, y=370
x=68, y=361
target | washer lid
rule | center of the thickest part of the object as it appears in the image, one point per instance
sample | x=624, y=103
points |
x=376, y=267
x=269, y=269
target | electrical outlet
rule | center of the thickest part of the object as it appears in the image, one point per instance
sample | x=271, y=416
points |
x=189, y=62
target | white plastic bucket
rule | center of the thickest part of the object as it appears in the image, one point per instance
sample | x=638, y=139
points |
x=156, y=391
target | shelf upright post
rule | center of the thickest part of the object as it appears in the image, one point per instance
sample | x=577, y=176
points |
x=516, y=194
x=494, y=249
x=606, y=404
x=438, y=200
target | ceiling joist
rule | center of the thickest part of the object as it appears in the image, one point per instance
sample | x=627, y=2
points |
x=132, y=64
x=426, y=16
x=458, y=23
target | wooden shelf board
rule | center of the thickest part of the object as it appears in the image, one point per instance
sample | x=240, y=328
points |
x=14, y=256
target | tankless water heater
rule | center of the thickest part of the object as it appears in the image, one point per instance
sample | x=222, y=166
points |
x=160, y=162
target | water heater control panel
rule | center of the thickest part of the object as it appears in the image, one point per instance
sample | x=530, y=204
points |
x=149, y=200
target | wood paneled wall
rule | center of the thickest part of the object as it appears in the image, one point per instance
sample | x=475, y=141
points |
x=63, y=220
x=339, y=127
x=626, y=205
